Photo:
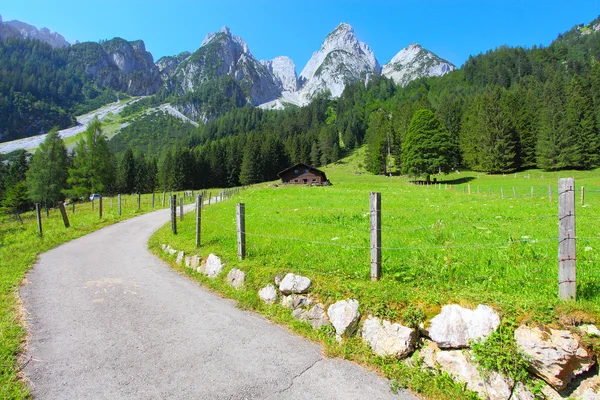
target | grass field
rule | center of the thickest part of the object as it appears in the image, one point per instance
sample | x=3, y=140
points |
x=19, y=247
x=440, y=244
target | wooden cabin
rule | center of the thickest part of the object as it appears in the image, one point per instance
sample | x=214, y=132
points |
x=302, y=174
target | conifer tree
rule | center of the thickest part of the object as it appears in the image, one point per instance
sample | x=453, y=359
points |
x=47, y=174
x=428, y=148
x=581, y=126
x=126, y=173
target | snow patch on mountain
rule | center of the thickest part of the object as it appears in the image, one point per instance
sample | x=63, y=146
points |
x=415, y=62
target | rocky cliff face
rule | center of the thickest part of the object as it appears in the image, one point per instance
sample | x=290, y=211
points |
x=26, y=31
x=118, y=64
x=342, y=58
x=415, y=62
x=283, y=70
x=168, y=65
x=224, y=54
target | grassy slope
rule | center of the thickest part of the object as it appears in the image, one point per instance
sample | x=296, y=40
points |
x=19, y=247
x=440, y=246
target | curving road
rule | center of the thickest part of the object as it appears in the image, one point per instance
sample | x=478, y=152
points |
x=109, y=320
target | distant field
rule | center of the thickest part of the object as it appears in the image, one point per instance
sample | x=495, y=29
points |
x=440, y=244
x=19, y=247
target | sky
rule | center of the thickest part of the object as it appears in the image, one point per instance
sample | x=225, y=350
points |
x=453, y=29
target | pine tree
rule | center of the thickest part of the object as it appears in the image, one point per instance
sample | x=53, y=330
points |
x=581, y=126
x=553, y=141
x=47, y=175
x=250, y=172
x=126, y=173
x=428, y=147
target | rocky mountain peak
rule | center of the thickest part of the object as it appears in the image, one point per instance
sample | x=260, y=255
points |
x=26, y=31
x=283, y=70
x=414, y=62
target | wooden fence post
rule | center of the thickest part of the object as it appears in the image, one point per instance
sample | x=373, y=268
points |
x=174, y=213
x=514, y=193
x=163, y=201
x=38, y=214
x=532, y=192
x=567, y=264
x=63, y=212
x=119, y=203
x=139, y=201
x=469, y=186
x=73, y=207
x=582, y=195
x=153, y=200
x=241, y=230
x=92, y=204
x=375, y=202
x=100, y=206
x=181, y=209
x=198, y=219
x=550, y=193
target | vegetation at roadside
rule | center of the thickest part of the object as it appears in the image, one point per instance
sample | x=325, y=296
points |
x=20, y=246
x=440, y=244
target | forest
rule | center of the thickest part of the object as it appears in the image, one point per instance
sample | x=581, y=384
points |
x=506, y=110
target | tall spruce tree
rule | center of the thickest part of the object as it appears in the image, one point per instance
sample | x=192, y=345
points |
x=581, y=126
x=428, y=148
x=126, y=173
x=47, y=174
x=553, y=143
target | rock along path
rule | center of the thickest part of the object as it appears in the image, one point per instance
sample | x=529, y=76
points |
x=109, y=320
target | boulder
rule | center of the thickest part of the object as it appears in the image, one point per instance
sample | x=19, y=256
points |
x=588, y=389
x=315, y=316
x=427, y=355
x=188, y=261
x=387, y=339
x=195, y=262
x=163, y=247
x=294, y=284
x=555, y=356
x=169, y=250
x=212, y=266
x=461, y=367
x=344, y=317
x=236, y=278
x=520, y=392
x=295, y=301
x=278, y=279
x=455, y=326
x=179, y=259
x=590, y=330
x=268, y=294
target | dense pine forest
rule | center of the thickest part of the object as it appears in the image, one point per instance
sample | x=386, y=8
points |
x=506, y=110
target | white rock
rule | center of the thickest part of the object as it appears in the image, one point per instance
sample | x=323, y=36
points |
x=415, y=62
x=179, y=259
x=268, y=294
x=295, y=284
x=212, y=266
x=188, y=261
x=457, y=364
x=387, y=339
x=163, y=247
x=315, y=316
x=344, y=316
x=590, y=330
x=520, y=392
x=588, y=389
x=428, y=355
x=195, y=262
x=236, y=278
x=555, y=356
x=455, y=326
x=295, y=301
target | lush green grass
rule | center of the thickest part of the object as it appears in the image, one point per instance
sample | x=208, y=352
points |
x=19, y=247
x=440, y=244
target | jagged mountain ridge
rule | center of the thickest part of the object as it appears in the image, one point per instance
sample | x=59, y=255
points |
x=413, y=62
x=26, y=31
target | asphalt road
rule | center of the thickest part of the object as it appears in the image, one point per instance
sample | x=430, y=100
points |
x=109, y=320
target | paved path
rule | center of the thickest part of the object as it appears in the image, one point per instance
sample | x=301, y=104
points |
x=109, y=320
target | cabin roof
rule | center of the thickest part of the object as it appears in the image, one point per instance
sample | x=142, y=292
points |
x=302, y=166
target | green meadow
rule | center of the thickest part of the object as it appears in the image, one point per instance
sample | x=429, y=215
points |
x=440, y=244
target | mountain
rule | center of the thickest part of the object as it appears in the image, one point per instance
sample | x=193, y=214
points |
x=117, y=64
x=167, y=65
x=283, y=70
x=341, y=58
x=222, y=54
x=413, y=62
x=26, y=31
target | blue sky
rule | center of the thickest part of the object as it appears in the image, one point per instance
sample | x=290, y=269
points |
x=453, y=29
